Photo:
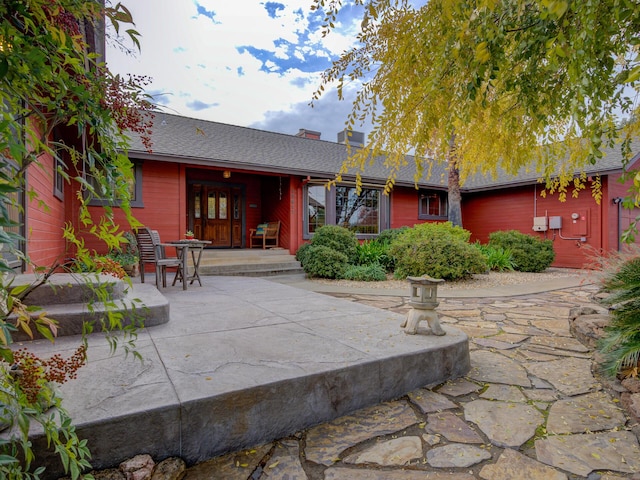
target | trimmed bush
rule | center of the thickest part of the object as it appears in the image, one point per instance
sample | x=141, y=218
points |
x=434, y=229
x=373, y=272
x=302, y=252
x=438, y=250
x=337, y=238
x=324, y=262
x=386, y=237
x=529, y=253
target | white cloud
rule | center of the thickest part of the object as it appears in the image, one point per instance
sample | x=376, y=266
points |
x=231, y=61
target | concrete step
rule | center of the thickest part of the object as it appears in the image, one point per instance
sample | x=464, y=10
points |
x=212, y=256
x=252, y=270
x=71, y=302
x=249, y=263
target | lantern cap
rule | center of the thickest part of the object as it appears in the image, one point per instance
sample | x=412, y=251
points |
x=425, y=280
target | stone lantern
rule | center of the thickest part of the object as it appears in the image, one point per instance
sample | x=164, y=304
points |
x=423, y=301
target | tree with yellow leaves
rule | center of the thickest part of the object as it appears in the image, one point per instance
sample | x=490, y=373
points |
x=492, y=85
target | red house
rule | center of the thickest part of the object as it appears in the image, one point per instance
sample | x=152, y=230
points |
x=220, y=181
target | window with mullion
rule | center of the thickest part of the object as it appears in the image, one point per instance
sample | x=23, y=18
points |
x=359, y=213
x=315, y=208
x=432, y=205
x=134, y=186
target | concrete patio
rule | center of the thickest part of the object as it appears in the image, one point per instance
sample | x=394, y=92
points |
x=244, y=361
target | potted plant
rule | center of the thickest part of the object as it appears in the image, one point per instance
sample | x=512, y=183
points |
x=189, y=235
x=127, y=255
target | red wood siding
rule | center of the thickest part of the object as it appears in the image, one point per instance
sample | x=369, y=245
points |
x=618, y=218
x=514, y=209
x=404, y=207
x=276, y=205
x=45, y=216
x=296, y=214
x=163, y=196
x=255, y=208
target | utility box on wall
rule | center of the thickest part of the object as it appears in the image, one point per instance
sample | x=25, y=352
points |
x=539, y=224
x=580, y=223
x=555, y=223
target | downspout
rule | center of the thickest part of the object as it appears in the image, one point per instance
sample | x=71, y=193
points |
x=618, y=201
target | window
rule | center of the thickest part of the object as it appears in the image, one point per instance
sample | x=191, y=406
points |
x=315, y=207
x=359, y=213
x=366, y=214
x=433, y=204
x=14, y=214
x=60, y=158
x=135, y=189
x=58, y=178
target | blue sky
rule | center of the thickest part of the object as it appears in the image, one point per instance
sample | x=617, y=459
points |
x=244, y=62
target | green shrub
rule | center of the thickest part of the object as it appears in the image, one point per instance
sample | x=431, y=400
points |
x=437, y=250
x=372, y=252
x=373, y=272
x=385, y=237
x=620, y=346
x=324, y=262
x=337, y=238
x=498, y=259
x=530, y=254
x=433, y=229
x=302, y=252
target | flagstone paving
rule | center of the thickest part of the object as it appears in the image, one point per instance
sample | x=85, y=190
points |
x=530, y=408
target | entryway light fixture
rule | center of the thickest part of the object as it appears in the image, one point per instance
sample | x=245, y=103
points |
x=226, y=174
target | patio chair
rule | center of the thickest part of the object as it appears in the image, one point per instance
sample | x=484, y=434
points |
x=151, y=251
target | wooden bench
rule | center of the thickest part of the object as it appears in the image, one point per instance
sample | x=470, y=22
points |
x=263, y=233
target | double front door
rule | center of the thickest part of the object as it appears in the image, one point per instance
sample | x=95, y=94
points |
x=216, y=214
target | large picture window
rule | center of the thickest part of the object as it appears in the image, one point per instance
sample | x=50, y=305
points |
x=359, y=213
x=433, y=204
x=365, y=214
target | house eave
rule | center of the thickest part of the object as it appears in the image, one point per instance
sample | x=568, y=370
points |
x=252, y=167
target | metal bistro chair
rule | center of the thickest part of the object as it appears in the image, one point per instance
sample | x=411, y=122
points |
x=150, y=251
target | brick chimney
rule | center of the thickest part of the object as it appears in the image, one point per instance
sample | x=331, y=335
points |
x=304, y=133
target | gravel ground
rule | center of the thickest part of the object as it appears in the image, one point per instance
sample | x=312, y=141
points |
x=492, y=279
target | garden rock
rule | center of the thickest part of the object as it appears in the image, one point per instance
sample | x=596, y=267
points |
x=173, y=468
x=632, y=384
x=587, y=324
x=139, y=467
x=631, y=404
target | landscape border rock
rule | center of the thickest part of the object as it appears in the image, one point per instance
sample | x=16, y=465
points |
x=587, y=324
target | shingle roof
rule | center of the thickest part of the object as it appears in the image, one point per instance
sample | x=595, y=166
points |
x=611, y=161
x=189, y=140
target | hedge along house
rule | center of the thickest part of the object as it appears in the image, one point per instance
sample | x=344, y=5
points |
x=220, y=181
